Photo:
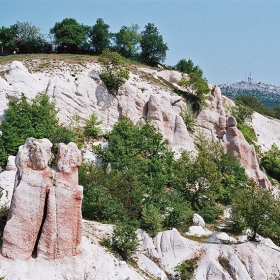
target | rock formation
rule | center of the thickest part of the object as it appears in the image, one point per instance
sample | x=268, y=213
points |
x=45, y=216
x=236, y=144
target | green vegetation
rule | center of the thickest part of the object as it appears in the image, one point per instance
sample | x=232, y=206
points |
x=100, y=36
x=185, y=270
x=68, y=34
x=271, y=162
x=188, y=117
x=127, y=41
x=253, y=207
x=196, y=84
x=24, y=119
x=153, y=49
x=115, y=72
x=123, y=241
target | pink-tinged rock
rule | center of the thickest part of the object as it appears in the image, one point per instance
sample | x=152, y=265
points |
x=164, y=113
x=236, y=144
x=32, y=182
x=45, y=217
x=62, y=229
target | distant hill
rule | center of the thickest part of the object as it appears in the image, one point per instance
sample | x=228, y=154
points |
x=267, y=94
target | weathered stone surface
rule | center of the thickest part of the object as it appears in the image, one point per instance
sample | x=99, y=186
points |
x=45, y=215
x=236, y=144
x=198, y=220
x=164, y=113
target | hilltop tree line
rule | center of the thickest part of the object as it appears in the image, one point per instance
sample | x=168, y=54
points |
x=69, y=36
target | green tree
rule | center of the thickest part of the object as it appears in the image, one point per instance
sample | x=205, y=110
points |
x=153, y=49
x=271, y=162
x=25, y=119
x=115, y=72
x=187, y=66
x=140, y=161
x=7, y=35
x=255, y=205
x=100, y=36
x=127, y=41
x=252, y=102
x=68, y=34
x=152, y=219
x=29, y=39
x=92, y=128
x=196, y=85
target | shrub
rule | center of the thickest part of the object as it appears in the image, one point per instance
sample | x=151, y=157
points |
x=186, y=269
x=100, y=205
x=271, y=162
x=124, y=240
x=152, y=219
x=115, y=72
x=24, y=119
x=248, y=132
x=91, y=128
x=188, y=118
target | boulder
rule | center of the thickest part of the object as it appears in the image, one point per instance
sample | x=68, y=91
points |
x=198, y=231
x=45, y=216
x=198, y=220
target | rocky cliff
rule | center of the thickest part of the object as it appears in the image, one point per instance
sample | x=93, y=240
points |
x=147, y=96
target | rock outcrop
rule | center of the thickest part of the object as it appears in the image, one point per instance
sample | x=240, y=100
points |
x=45, y=216
x=236, y=144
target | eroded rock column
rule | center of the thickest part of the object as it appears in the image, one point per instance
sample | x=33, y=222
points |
x=45, y=217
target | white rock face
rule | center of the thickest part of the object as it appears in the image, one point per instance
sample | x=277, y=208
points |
x=85, y=94
x=198, y=231
x=198, y=220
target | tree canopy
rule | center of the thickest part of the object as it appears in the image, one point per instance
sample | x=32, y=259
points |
x=153, y=49
x=68, y=34
x=100, y=36
x=127, y=41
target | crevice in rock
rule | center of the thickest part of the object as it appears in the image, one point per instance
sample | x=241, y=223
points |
x=34, y=252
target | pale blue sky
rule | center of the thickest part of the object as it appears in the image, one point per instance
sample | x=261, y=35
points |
x=226, y=38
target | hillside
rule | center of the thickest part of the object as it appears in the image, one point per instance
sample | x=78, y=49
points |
x=148, y=97
x=267, y=94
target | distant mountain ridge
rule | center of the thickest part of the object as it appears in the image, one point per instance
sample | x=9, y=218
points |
x=267, y=94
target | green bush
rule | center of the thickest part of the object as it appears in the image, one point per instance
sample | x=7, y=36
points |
x=115, y=72
x=152, y=220
x=124, y=240
x=91, y=128
x=24, y=119
x=100, y=205
x=188, y=118
x=271, y=162
x=248, y=132
x=185, y=270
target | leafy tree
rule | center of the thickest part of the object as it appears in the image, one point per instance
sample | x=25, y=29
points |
x=196, y=85
x=140, y=162
x=68, y=34
x=7, y=35
x=124, y=240
x=29, y=39
x=91, y=128
x=25, y=119
x=100, y=36
x=127, y=41
x=255, y=205
x=271, y=162
x=153, y=49
x=252, y=102
x=187, y=66
x=115, y=72
x=152, y=219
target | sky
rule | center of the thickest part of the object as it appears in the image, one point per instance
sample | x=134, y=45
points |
x=228, y=39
